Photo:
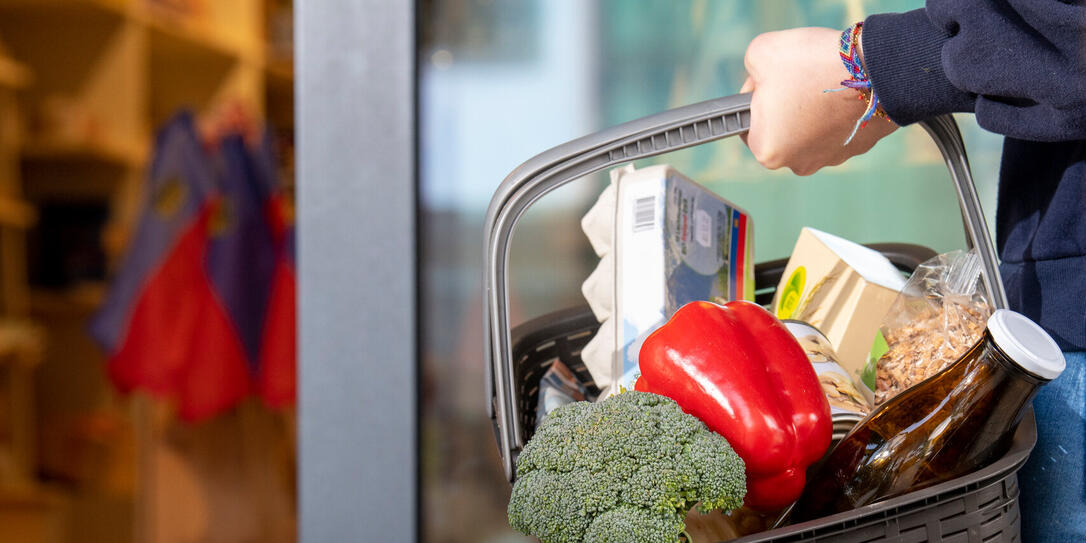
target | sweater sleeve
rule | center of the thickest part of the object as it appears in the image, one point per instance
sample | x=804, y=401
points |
x=1019, y=65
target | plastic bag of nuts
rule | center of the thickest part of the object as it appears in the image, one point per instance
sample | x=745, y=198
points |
x=938, y=316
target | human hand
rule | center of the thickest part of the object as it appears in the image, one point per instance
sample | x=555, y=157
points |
x=793, y=123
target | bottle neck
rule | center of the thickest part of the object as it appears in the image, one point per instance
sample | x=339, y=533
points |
x=994, y=393
x=1007, y=364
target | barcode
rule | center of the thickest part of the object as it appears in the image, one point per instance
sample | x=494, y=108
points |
x=644, y=214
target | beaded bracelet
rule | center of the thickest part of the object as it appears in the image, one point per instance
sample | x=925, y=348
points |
x=858, y=80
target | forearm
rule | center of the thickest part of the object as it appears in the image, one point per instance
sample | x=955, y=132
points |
x=1019, y=65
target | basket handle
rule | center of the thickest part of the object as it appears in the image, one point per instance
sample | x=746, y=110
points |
x=664, y=132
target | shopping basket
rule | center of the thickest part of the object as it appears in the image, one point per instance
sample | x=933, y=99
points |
x=979, y=507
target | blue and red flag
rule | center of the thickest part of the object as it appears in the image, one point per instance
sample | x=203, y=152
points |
x=276, y=381
x=239, y=262
x=276, y=377
x=154, y=305
x=202, y=311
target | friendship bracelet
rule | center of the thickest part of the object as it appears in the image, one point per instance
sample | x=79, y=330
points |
x=858, y=80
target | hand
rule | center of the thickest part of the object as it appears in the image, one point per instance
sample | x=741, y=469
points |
x=793, y=123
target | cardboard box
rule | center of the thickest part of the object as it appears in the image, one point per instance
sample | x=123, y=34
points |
x=843, y=289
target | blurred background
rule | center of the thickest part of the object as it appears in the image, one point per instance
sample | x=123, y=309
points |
x=500, y=81
x=100, y=101
x=130, y=126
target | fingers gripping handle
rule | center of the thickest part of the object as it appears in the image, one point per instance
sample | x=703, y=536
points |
x=642, y=138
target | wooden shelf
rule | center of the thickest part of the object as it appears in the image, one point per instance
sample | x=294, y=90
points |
x=116, y=8
x=27, y=496
x=75, y=13
x=194, y=43
x=17, y=213
x=32, y=514
x=280, y=73
x=80, y=299
x=183, y=37
x=279, y=93
x=188, y=36
x=21, y=342
x=127, y=156
x=13, y=74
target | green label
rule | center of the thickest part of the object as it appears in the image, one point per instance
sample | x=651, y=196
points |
x=878, y=348
x=791, y=294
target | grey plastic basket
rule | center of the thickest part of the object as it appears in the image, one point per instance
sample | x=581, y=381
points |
x=980, y=507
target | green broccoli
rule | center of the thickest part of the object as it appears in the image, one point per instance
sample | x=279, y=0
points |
x=627, y=469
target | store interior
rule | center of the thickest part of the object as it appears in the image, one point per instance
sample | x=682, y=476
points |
x=88, y=92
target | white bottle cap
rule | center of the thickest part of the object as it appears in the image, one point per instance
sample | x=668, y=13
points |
x=1025, y=342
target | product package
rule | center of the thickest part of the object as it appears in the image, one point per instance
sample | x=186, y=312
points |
x=558, y=387
x=843, y=289
x=939, y=315
x=664, y=241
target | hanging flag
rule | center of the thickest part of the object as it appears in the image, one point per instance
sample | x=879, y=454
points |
x=240, y=256
x=239, y=262
x=148, y=320
x=203, y=306
x=277, y=377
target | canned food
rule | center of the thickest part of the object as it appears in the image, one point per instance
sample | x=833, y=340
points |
x=848, y=405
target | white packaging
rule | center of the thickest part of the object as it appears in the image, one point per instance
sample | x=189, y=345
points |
x=672, y=242
x=599, y=354
x=599, y=287
x=598, y=224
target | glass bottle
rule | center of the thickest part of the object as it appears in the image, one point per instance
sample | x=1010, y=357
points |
x=955, y=422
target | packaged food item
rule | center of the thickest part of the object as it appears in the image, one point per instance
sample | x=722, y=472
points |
x=843, y=289
x=598, y=290
x=939, y=315
x=599, y=223
x=558, y=387
x=738, y=369
x=847, y=403
x=959, y=421
x=599, y=354
x=664, y=241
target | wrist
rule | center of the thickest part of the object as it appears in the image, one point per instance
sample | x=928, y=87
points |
x=851, y=53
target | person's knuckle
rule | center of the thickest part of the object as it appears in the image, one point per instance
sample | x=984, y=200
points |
x=803, y=170
x=770, y=159
x=755, y=50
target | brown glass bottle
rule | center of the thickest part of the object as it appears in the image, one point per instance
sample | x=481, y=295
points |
x=957, y=421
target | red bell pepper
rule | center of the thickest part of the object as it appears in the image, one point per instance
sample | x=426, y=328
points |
x=740, y=371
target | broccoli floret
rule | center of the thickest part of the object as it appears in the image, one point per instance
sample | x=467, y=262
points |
x=628, y=469
x=628, y=523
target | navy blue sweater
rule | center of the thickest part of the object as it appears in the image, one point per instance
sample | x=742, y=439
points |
x=1020, y=66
